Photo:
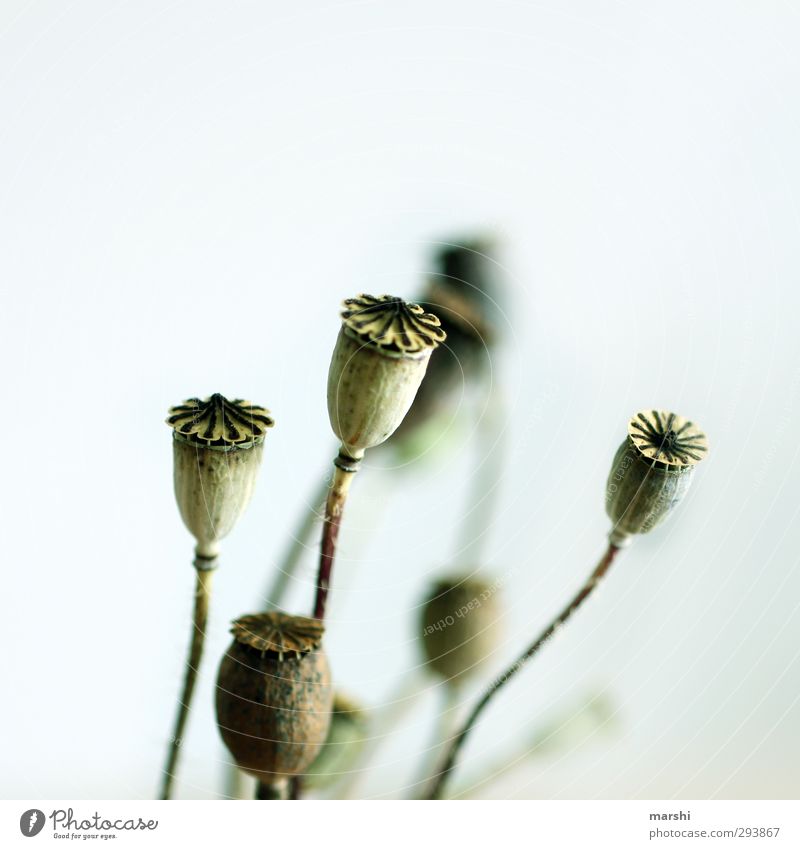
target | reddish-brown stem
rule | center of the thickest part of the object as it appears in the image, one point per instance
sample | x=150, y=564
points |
x=330, y=535
x=456, y=743
x=344, y=468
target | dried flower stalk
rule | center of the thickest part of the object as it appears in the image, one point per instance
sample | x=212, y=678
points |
x=654, y=466
x=378, y=363
x=217, y=449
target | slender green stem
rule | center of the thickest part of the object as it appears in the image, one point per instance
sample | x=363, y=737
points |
x=574, y=725
x=485, y=483
x=445, y=726
x=459, y=739
x=202, y=598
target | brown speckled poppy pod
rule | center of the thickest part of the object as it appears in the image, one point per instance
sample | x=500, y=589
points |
x=274, y=695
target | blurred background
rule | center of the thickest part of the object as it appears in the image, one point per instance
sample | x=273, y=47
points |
x=190, y=189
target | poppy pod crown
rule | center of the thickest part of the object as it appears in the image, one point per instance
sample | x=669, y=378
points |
x=219, y=423
x=378, y=363
x=217, y=451
x=279, y=633
x=651, y=472
x=393, y=326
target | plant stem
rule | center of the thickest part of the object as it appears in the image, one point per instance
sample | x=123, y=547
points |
x=344, y=469
x=444, y=727
x=278, y=791
x=202, y=596
x=485, y=484
x=458, y=741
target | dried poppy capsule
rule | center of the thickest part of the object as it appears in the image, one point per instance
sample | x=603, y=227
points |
x=378, y=363
x=460, y=627
x=651, y=472
x=217, y=449
x=274, y=695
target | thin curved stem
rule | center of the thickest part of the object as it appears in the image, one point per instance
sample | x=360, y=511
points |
x=458, y=741
x=334, y=507
x=202, y=598
x=573, y=727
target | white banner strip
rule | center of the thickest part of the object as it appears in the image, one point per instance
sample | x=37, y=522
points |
x=372, y=824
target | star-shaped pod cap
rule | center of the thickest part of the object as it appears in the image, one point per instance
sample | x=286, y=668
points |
x=669, y=440
x=392, y=325
x=220, y=423
x=279, y=633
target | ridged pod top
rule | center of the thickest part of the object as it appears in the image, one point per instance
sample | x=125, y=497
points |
x=392, y=325
x=279, y=633
x=220, y=423
x=667, y=438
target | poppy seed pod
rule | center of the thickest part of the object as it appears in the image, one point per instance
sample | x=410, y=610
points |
x=462, y=291
x=651, y=472
x=460, y=627
x=274, y=695
x=217, y=450
x=380, y=358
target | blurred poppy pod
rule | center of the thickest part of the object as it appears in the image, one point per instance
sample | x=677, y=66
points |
x=217, y=450
x=462, y=291
x=651, y=472
x=378, y=363
x=460, y=627
x=274, y=695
